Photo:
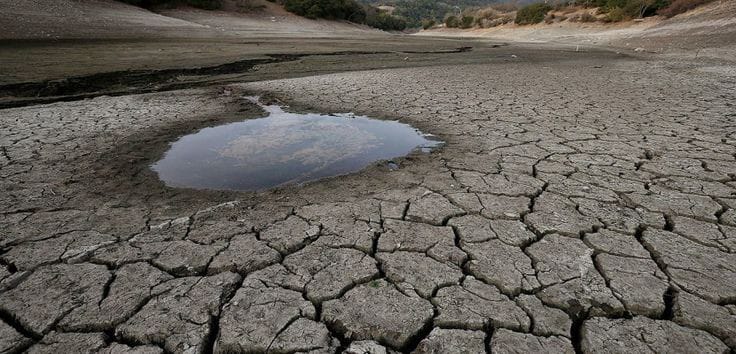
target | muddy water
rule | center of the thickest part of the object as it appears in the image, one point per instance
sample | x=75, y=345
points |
x=285, y=148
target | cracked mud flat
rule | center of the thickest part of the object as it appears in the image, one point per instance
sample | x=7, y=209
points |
x=568, y=212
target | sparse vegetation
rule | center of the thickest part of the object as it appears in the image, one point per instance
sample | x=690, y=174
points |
x=532, y=14
x=485, y=14
x=616, y=14
x=460, y=13
x=385, y=21
x=374, y=284
x=417, y=11
x=249, y=6
x=452, y=22
x=607, y=10
x=492, y=17
x=467, y=21
x=575, y=11
x=622, y=10
x=348, y=10
x=202, y=4
x=677, y=7
x=428, y=23
x=584, y=17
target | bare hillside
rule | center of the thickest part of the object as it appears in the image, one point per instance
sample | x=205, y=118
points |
x=707, y=30
x=264, y=18
x=83, y=19
x=63, y=19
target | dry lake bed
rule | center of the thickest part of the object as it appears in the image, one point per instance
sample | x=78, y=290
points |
x=580, y=201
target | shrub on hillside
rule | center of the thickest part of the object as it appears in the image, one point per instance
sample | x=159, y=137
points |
x=249, y=6
x=614, y=10
x=677, y=7
x=495, y=22
x=485, y=14
x=452, y=22
x=532, y=14
x=202, y=4
x=467, y=21
x=621, y=10
x=205, y=4
x=385, y=21
x=616, y=14
x=427, y=24
x=491, y=17
x=348, y=10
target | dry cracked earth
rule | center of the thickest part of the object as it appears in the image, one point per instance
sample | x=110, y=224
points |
x=581, y=204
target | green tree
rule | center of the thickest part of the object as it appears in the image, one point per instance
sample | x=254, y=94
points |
x=452, y=22
x=467, y=22
x=428, y=23
x=533, y=13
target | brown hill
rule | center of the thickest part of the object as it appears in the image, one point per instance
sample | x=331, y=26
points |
x=76, y=19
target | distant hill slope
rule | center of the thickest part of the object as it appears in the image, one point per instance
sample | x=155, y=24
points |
x=417, y=10
x=52, y=19
x=714, y=19
x=263, y=17
x=84, y=19
x=709, y=30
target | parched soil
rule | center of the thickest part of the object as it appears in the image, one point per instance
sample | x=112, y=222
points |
x=585, y=201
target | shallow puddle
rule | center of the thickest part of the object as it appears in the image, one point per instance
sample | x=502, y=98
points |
x=285, y=148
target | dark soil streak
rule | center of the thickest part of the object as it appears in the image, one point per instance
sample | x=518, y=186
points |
x=117, y=83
